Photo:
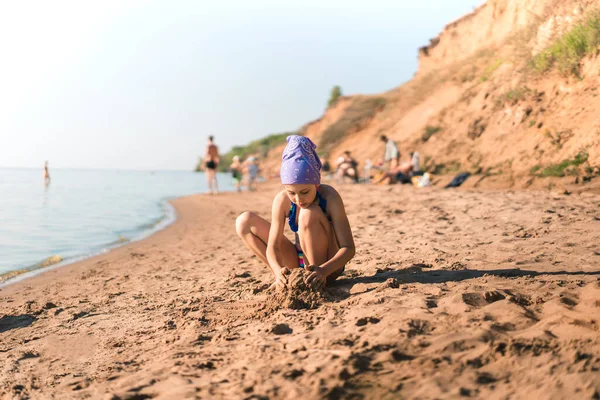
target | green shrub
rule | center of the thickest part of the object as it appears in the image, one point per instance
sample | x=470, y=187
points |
x=567, y=51
x=558, y=170
x=517, y=94
x=444, y=168
x=489, y=71
x=360, y=112
x=429, y=132
x=336, y=93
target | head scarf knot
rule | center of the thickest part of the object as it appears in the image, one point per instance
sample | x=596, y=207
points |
x=300, y=163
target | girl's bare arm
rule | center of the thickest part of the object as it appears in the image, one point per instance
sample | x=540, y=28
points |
x=276, y=233
x=343, y=232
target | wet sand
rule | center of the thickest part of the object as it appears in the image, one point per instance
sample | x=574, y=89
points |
x=452, y=293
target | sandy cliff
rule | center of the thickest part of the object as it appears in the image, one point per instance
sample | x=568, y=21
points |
x=476, y=103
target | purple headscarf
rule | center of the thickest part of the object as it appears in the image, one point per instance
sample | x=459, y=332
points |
x=300, y=163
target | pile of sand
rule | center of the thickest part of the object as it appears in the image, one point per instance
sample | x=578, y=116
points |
x=297, y=296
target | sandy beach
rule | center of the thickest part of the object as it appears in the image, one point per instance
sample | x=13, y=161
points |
x=452, y=293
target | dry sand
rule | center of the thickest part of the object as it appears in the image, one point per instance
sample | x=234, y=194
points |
x=486, y=294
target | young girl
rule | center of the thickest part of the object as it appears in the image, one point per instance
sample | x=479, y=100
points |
x=314, y=212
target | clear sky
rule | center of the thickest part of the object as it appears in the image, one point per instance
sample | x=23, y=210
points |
x=141, y=84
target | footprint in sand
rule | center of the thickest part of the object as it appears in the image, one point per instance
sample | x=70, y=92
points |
x=418, y=327
x=480, y=300
x=430, y=303
x=485, y=378
x=367, y=320
x=568, y=301
x=293, y=374
x=9, y=322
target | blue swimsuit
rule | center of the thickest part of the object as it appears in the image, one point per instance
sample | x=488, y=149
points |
x=294, y=225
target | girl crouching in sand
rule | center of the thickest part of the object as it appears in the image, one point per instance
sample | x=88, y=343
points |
x=314, y=212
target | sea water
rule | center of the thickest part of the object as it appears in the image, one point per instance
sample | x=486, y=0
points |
x=84, y=212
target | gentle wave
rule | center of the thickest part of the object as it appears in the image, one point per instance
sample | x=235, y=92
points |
x=83, y=213
x=143, y=231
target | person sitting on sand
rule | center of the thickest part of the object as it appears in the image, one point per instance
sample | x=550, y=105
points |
x=401, y=173
x=315, y=213
x=347, y=166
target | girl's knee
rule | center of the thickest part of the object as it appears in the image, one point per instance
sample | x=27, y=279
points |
x=243, y=223
x=310, y=217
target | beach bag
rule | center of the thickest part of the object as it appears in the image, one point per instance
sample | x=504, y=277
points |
x=421, y=181
x=458, y=180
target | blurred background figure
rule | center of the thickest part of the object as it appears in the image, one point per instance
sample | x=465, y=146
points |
x=326, y=168
x=392, y=154
x=368, y=166
x=346, y=167
x=236, y=172
x=211, y=162
x=46, y=174
x=251, y=170
x=414, y=162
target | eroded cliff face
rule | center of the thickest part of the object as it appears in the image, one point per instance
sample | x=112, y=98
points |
x=476, y=104
x=487, y=26
x=496, y=21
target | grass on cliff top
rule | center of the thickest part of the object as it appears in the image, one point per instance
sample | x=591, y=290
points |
x=260, y=147
x=358, y=114
x=567, y=51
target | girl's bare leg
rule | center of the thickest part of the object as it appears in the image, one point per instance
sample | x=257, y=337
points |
x=314, y=232
x=317, y=238
x=254, y=232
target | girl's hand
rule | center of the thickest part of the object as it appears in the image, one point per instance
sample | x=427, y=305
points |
x=316, y=277
x=281, y=280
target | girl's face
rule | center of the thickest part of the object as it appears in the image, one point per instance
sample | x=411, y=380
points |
x=302, y=195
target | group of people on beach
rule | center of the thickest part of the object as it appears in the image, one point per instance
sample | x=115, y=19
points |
x=389, y=169
x=245, y=173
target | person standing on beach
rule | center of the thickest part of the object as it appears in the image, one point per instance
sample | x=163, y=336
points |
x=392, y=154
x=236, y=172
x=211, y=162
x=46, y=173
x=251, y=170
x=315, y=213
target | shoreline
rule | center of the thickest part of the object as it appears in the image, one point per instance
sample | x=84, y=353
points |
x=493, y=293
x=20, y=274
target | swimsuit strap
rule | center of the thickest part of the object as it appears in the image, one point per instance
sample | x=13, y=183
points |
x=294, y=211
x=322, y=202
x=292, y=218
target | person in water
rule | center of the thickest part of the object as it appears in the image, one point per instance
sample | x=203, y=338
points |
x=315, y=213
x=46, y=174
